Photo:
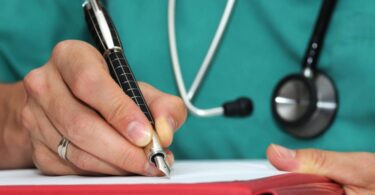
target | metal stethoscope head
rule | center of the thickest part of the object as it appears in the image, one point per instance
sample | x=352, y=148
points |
x=240, y=107
x=305, y=104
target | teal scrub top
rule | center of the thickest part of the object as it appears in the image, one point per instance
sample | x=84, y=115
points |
x=264, y=41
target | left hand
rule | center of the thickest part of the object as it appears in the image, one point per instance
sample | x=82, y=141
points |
x=354, y=171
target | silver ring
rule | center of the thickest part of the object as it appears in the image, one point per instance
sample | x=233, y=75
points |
x=62, y=148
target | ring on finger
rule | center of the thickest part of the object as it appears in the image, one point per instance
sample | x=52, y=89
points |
x=62, y=148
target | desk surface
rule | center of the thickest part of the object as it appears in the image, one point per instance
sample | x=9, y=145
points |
x=183, y=172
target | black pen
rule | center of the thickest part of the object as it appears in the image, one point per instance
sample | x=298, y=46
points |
x=108, y=42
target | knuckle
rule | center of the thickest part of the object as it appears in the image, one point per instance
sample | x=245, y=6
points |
x=73, y=49
x=317, y=157
x=80, y=125
x=41, y=158
x=26, y=117
x=62, y=48
x=128, y=160
x=120, y=112
x=82, y=161
x=176, y=101
x=84, y=80
x=35, y=82
x=180, y=107
x=183, y=108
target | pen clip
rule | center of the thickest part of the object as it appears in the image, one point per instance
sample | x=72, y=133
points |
x=104, y=33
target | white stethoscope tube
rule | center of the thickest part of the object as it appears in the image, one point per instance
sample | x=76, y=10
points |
x=188, y=96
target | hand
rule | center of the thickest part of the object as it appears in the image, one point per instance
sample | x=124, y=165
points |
x=355, y=171
x=73, y=96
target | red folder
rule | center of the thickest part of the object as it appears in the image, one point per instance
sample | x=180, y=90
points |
x=285, y=184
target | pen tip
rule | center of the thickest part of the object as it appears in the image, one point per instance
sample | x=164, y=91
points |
x=162, y=165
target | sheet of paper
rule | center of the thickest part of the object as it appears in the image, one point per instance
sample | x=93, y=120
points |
x=183, y=172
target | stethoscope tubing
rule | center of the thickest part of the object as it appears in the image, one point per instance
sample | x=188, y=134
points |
x=187, y=96
x=317, y=38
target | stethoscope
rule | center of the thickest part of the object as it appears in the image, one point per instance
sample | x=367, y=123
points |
x=239, y=107
x=303, y=104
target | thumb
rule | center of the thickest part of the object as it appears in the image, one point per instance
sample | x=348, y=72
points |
x=346, y=168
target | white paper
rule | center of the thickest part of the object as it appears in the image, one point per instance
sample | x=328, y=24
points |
x=182, y=172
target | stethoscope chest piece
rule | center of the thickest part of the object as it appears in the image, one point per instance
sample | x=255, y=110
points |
x=305, y=106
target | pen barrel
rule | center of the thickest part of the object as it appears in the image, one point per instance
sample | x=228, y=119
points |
x=108, y=43
x=123, y=75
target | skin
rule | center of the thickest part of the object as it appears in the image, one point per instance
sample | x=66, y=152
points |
x=355, y=171
x=72, y=95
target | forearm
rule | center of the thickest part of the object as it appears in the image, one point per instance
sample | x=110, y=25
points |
x=15, y=145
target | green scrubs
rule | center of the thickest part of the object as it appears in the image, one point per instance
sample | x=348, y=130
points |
x=264, y=41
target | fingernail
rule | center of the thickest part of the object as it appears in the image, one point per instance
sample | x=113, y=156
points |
x=172, y=123
x=164, y=128
x=139, y=133
x=284, y=153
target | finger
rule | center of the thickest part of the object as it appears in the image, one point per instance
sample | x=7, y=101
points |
x=90, y=163
x=170, y=157
x=50, y=164
x=169, y=112
x=50, y=136
x=346, y=168
x=82, y=68
x=82, y=126
x=163, y=104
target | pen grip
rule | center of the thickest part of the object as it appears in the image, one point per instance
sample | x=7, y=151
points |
x=123, y=75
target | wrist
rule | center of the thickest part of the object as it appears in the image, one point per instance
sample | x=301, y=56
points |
x=15, y=145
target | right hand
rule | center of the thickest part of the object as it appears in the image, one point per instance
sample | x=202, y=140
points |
x=74, y=96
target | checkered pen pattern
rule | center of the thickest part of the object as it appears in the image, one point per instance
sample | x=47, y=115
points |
x=121, y=72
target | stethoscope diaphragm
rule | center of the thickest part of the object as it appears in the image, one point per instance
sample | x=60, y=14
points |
x=305, y=107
